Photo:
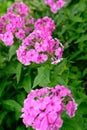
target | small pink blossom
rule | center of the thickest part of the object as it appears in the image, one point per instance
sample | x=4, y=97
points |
x=20, y=34
x=10, y=27
x=71, y=108
x=41, y=58
x=32, y=55
x=8, y=39
x=52, y=117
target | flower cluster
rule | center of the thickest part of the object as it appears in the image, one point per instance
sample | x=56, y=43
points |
x=43, y=107
x=15, y=23
x=39, y=45
x=55, y=5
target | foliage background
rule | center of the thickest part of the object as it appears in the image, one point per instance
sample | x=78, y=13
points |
x=16, y=80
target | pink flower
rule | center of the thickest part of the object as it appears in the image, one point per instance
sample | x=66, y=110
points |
x=59, y=48
x=58, y=52
x=32, y=55
x=52, y=117
x=71, y=108
x=42, y=126
x=8, y=39
x=20, y=34
x=45, y=24
x=17, y=21
x=58, y=123
x=41, y=58
x=10, y=27
x=21, y=55
x=63, y=91
x=41, y=47
x=52, y=104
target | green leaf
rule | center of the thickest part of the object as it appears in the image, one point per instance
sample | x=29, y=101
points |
x=71, y=124
x=65, y=75
x=17, y=115
x=2, y=59
x=26, y=83
x=20, y=97
x=85, y=72
x=10, y=68
x=43, y=77
x=12, y=105
x=12, y=51
x=20, y=128
x=3, y=85
x=60, y=68
x=2, y=116
x=61, y=81
x=18, y=72
x=77, y=19
x=82, y=38
x=75, y=54
x=82, y=109
x=30, y=128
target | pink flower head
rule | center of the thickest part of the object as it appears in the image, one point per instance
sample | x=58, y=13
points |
x=43, y=108
x=44, y=46
x=16, y=21
x=55, y=5
x=19, y=8
x=9, y=23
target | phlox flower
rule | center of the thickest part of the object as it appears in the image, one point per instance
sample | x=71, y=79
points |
x=17, y=22
x=71, y=108
x=40, y=46
x=7, y=38
x=20, y=34
x=55, y=5
x=43, y=107
x=19, y=8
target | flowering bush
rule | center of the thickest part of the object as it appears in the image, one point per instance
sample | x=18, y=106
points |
x=38, y=48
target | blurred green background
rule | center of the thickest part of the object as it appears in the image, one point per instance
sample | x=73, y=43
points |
x=16, y=80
